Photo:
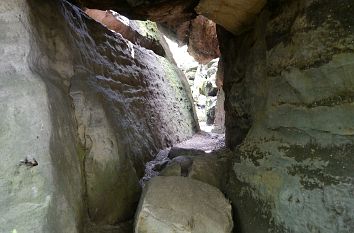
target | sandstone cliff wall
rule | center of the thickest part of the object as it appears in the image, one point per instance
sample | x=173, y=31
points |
x=90, y=107
x=289, y=107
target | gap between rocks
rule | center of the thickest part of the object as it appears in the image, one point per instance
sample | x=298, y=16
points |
x=203, y=158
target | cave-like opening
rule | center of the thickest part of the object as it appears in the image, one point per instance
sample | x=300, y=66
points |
x=206, y=87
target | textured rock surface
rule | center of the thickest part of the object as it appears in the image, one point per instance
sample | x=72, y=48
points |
x=179, y=204
x=289, y=97
x=118, y=136
x=211, y=168
x=233, y=15
x=167, y=12
x=219, y=122
x=142, y=33
x=203, y=43
x=90, y=107
x=176, y=19
x=37, y=122
x=202, y=79
x=198, y=145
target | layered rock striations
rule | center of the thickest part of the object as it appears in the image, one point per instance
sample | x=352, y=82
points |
x=288, y=84
x=83, y=109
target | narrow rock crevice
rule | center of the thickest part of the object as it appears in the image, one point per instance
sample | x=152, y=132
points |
x=99, y=128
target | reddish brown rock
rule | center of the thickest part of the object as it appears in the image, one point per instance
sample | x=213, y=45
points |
x=203, y=42
x=127, y=28
x=167, y=12
x=111, y=22
x=177, y=18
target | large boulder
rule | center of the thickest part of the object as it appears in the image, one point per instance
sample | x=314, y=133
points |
x=37, y=122
x=203, y=43
x=181, y=205
x=211, y=168
x=233, y=15
x=71, y=97
x=121, y=80
x=289, y=100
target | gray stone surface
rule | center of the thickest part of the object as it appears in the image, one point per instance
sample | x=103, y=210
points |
x=219, y=122
x=128, y=103
x=289, y=101
x=179, y=204
x=86, y=104
x=204, y=89
x=233, y=15
x=211, y=168
x=180, y=151
x=36, y=122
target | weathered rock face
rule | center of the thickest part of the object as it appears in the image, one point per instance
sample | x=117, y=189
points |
x=179, y=204
x=211, y=168
x=167, y=12
x=219, y=122
x=127, y=79
x=289, y=88
x=203, y=43
x=137, y=32
x=233, y=15
x=176, y=18
x=90, y=107
x=202, y=79
x=37, y=121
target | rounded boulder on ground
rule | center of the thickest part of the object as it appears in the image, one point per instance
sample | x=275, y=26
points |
x=181, y=205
